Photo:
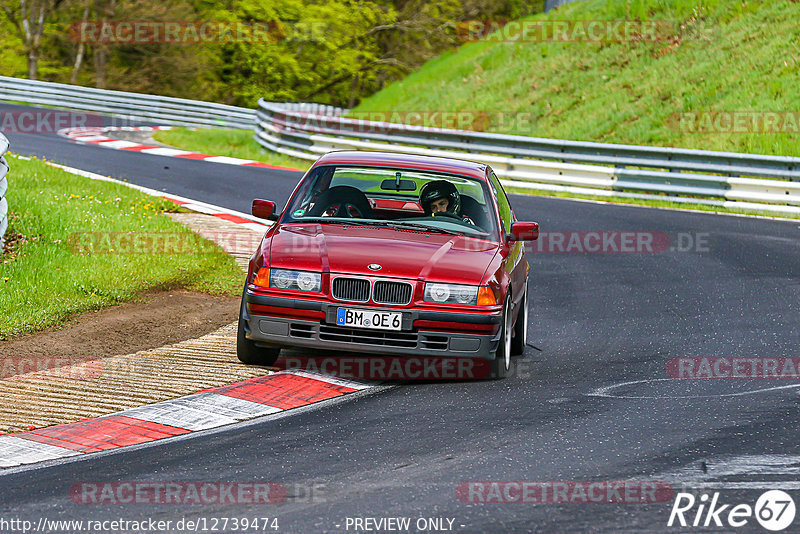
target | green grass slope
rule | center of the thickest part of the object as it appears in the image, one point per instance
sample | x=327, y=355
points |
x=80, y=244
x=711, y=56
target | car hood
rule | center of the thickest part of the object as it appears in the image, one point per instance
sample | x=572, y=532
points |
x=400, y=253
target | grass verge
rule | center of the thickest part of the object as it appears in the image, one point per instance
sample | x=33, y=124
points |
x=61, y=259
x=226, y=142
x=708, y=57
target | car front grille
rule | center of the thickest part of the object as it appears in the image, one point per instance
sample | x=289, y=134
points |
x=369, y=337
x=351, y=289
x=391, y=292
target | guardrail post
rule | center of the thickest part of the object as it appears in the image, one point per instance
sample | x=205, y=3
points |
x=3, y=189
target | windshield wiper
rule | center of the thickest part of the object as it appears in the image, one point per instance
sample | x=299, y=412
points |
x=400, y=225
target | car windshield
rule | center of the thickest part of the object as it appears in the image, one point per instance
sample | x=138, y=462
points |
x=391, y=197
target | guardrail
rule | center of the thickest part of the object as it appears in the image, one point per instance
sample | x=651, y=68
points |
x=131, y=106
x=769, y=183
x=307, y=130
x=3, y=189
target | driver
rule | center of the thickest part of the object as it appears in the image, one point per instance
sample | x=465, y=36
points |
x=441, y=196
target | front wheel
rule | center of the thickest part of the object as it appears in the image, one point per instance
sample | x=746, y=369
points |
x=521, y=328
x=502, y=358
x=248, y=353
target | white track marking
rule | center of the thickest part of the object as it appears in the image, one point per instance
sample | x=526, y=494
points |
x=174, y=413
x=720, y=473
x=163, y=151
x=256, y=227
x=86, y=138
x=117, y=144
x=228, y=161
x=605, y=391
x=330, y=379
x=232, y=407
x=17, y=451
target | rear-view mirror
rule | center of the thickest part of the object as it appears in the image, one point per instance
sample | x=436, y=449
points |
x=398, y=185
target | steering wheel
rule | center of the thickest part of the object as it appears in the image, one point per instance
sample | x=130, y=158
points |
x=448, y=214
x=345, y=198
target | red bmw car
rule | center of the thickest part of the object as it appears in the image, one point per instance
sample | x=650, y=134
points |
x=390, y=254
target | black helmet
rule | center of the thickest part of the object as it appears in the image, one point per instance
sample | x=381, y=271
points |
x=433, y=191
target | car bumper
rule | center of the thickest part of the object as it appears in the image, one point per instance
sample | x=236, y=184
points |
x=275, y=328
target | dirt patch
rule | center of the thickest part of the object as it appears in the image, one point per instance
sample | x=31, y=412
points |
x=158, y=319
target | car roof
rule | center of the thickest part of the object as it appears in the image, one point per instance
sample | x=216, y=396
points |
x=404, y=161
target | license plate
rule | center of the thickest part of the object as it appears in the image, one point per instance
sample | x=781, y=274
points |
x=380, y=320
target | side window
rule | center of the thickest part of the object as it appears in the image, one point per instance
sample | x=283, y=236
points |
x=502, y=204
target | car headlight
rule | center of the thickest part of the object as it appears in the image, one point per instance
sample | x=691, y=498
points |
x=300, y=280
x=450, y=293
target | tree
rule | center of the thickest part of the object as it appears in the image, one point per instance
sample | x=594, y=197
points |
x=29, y=17
x=328, y=51
x=76, y=67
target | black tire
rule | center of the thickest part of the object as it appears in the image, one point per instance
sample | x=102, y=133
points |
x=502, y=360
x=248, y=353
x=520, y=335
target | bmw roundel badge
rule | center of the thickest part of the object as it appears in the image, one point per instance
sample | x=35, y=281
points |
x=374, y=267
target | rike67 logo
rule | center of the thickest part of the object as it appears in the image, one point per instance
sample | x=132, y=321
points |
x=774, y=510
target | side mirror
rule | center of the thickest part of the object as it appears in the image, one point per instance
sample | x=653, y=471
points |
x=524, y=231
x=264, y=209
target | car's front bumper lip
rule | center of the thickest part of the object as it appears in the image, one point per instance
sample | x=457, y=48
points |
x=423, y=315
x=279, y=330
x=283, y=302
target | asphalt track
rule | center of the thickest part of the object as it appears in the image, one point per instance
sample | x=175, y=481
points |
x=597, y=320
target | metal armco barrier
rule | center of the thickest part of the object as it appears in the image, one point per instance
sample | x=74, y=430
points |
x=3, y=189
x=307, y=130
x=729, y=179
x=131, y=106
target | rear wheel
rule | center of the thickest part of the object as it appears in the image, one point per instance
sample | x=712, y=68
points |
x=502, y=358
x=249, y=353
x=521, y=328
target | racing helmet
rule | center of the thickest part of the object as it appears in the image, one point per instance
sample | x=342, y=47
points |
x=433, y=191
